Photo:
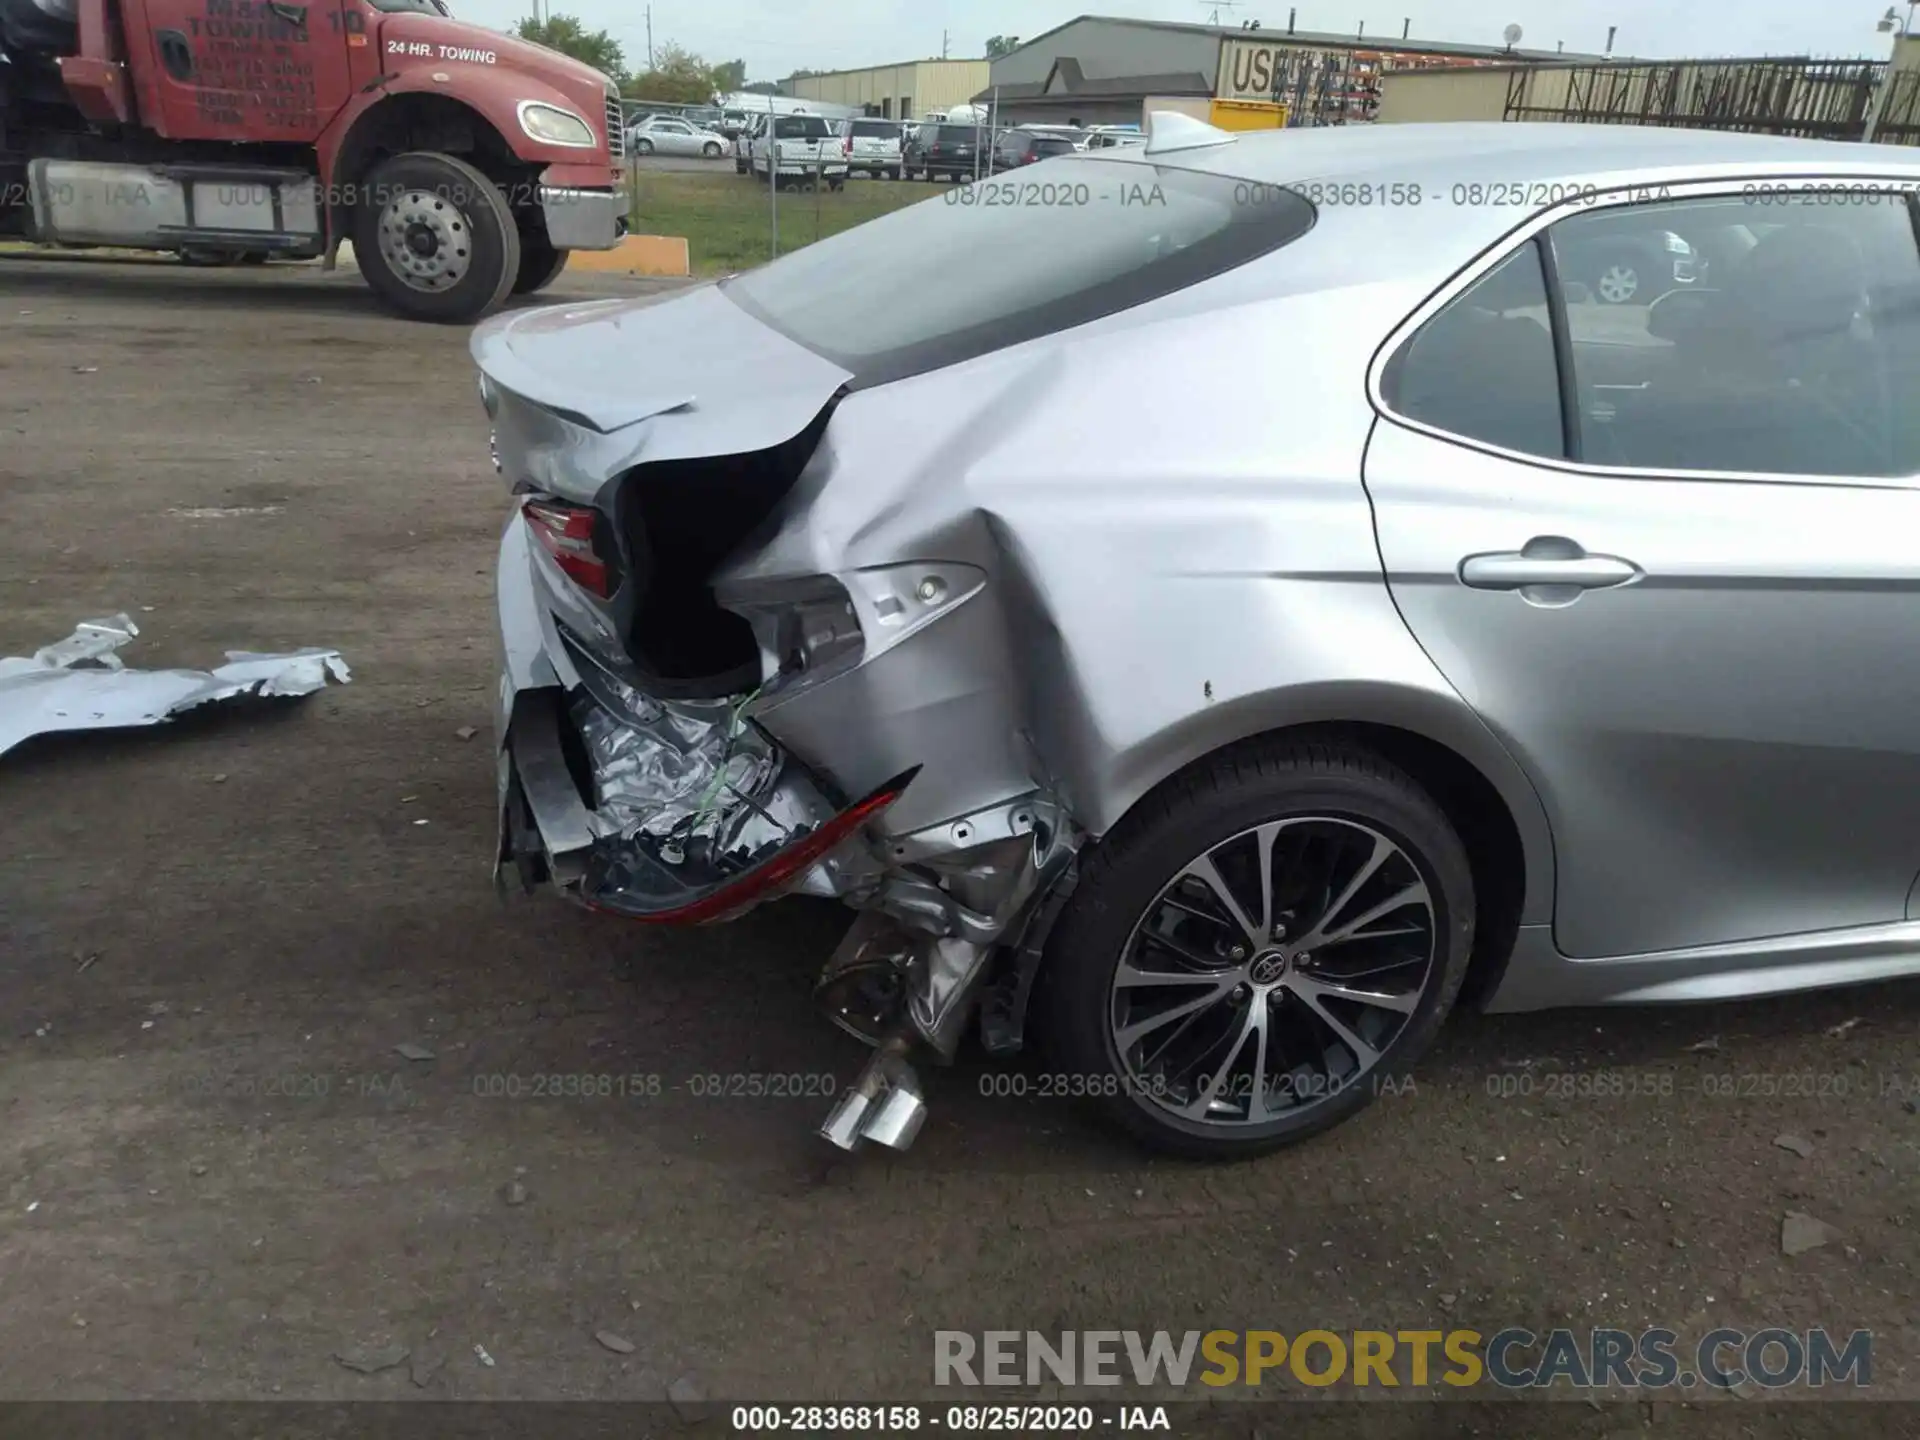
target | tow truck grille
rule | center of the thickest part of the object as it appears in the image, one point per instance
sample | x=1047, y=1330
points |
x=616, y=127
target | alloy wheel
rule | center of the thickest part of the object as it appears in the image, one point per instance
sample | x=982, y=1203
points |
x=1273, y=972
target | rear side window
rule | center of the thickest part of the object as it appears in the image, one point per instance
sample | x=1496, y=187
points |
x=1484, y=367
x=1721, y=334
x=861, y=298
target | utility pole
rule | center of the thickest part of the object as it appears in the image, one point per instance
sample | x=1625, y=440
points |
x=649, y=37
x=943, y=44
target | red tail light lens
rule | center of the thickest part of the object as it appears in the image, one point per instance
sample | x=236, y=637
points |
x=775, y=874
x=567, y=533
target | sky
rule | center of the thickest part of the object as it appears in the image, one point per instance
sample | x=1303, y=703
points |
x=776, y=37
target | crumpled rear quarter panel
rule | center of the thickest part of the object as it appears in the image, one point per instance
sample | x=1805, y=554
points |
x=1174, y=530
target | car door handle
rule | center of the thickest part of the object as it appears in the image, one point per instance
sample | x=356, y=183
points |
x=1548, y=562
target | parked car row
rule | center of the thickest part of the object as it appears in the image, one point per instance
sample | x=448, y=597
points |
x=931, y=150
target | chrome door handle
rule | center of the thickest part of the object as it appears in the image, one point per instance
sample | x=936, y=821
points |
x=1549, y=562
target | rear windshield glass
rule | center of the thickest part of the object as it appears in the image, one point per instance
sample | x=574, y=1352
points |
x=951, y=134
x=1122, y=233
x=1051, y=145
x=800, y=127
x=878, y=129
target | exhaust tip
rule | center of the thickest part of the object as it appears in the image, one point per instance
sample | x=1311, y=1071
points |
x=885, y=1105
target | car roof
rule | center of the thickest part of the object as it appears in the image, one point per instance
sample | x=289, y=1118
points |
x=1467, y=151
x=1445, y=193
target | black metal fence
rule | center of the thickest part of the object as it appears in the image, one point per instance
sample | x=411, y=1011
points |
x=1817, y=99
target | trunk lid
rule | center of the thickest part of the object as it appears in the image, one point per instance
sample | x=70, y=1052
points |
x=696, y=373
x=681, y=425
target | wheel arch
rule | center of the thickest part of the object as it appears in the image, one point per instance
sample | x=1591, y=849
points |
x=1436, y=740
x=396, y=121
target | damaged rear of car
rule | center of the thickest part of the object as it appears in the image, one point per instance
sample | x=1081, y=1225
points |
x=762, y=634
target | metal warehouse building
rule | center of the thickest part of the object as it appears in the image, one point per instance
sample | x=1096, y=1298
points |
x=905, y=91
x=1100, y=70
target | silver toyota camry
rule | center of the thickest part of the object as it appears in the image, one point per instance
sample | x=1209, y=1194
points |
x=1212, y=607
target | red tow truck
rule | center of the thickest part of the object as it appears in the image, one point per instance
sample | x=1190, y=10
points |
x=463, y=164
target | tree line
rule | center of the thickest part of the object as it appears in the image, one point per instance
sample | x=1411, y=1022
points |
x=676, y=75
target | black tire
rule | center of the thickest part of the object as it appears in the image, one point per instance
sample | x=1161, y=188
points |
x=643, y=147
x=479, y=280
x=1126, y=876
x=540, y=266
x=710, y=150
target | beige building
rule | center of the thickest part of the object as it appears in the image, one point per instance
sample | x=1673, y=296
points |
x=1414, y=95
x=899, y=92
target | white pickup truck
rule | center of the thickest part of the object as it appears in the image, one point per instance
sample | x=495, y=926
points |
x=800, y=149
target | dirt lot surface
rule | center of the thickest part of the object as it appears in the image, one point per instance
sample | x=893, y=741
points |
x=218, y=1173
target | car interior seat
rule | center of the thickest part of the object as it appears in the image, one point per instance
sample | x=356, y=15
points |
x=1776, y=373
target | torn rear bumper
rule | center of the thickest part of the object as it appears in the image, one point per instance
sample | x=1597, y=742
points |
x=676, y=812
x=708, y=865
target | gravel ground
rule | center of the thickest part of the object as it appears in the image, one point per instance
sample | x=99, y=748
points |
x=218, y=1172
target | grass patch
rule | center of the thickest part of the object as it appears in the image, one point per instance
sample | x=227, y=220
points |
x=725, y=217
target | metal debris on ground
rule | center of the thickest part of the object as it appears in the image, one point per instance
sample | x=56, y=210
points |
x=1802, y=1148
x=1708, y=1046
x=80, y=683
x=619, y=1344
x=407, y=1050
x=480, y=1354
x=1839, y=1032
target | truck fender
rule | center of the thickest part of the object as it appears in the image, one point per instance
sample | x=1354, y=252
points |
x=344, y=143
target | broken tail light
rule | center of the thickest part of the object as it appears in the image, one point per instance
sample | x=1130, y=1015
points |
x=776, y=873
x=567, y=533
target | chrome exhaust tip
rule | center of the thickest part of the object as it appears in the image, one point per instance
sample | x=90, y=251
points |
x=885, y=1105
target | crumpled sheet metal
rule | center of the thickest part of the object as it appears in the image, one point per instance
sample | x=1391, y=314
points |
x=80, y=683
x=661, y=770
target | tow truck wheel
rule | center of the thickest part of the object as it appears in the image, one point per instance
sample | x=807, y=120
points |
x=540, y=266
x=435, y=239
